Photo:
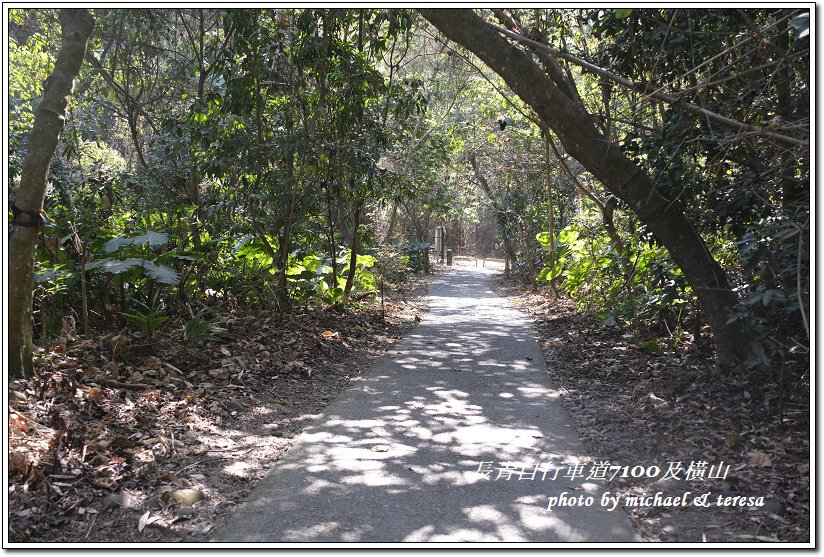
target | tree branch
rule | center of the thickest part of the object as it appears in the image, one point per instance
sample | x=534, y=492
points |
x=658, y=95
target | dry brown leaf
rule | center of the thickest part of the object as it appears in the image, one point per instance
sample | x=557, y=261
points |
x=17, y=423
x=151, y=396
x=105, y=483
x=19, y=462
x=92, y=371
x=152, y=362
x=145, y=520
x=655, y=400
x=758, y=459
x=121, y=441
x=87, y=345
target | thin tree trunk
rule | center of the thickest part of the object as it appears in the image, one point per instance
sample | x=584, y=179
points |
x=77, y=25
x=500, y=215
x=553, y=260
x=333, y=252
x=529, y=261
x=574, y=127
x=84, y=298
x=607, y=214
x=285, y=239
x=353, y=254
x=194, y=171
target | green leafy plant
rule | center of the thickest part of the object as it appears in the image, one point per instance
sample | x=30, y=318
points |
x=198, y=330
x=647, y=291
x=158, y=272
x=149, y=322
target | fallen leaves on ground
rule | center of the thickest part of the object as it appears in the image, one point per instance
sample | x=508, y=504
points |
x=124, y=440
x=637, y=406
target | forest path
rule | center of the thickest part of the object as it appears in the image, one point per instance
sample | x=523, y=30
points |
x=395, y=458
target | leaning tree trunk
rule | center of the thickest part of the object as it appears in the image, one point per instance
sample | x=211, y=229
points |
x=77, y=25
x=574, y=126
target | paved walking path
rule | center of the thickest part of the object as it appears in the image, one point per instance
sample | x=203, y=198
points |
x=395, y=458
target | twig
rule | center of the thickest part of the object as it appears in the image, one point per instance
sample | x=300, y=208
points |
x=121, y=385
x=91, y=526
x=173, y=368
x=744, y=72
x=192, y=465
x=245, y=449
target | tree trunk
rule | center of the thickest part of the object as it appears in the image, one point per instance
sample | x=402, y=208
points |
x=333, y=252
x=550, y=202
x=574, y=126
x=77, y=25
x=527, y=231
x=500, y=215
x=282, y=262
x=353, y=254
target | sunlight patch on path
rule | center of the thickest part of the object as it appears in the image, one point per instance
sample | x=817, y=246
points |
x=400, y=455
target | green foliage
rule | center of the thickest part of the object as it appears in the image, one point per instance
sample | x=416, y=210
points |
x=417, y=254
x=652, y=346
x=199, y=330
x=52, y=280
x=643, y=289
x=152, y=268
x=393, y=264
x=772, y=254
x=225, y=151
x=151, y=239
x=365, y=281
x=149, y=322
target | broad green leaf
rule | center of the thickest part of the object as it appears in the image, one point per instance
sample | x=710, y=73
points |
x=543, y=238
x=115, y=266
x=568, y=235
x=312, y=262
x=334, y=294
x=366, y=261
x=150, y=238
x=295, y=270
x=161, y=273
x=733, y=438
x=652, y=346
x=116, y=243
x=188, y=257
x=241, y=242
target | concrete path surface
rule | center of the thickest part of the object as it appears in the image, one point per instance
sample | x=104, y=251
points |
x=456, y=436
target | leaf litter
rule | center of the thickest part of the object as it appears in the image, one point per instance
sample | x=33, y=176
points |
x=123, y=440
x=633, y=406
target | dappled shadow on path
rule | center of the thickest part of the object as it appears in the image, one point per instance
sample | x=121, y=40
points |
x=439, y=442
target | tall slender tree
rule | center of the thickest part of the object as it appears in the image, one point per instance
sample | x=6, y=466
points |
x=77, y=26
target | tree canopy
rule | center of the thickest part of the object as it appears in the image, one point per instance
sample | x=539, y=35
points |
x=652, y=164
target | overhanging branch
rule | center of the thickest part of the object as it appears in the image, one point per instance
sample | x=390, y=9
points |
x=658, y=95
